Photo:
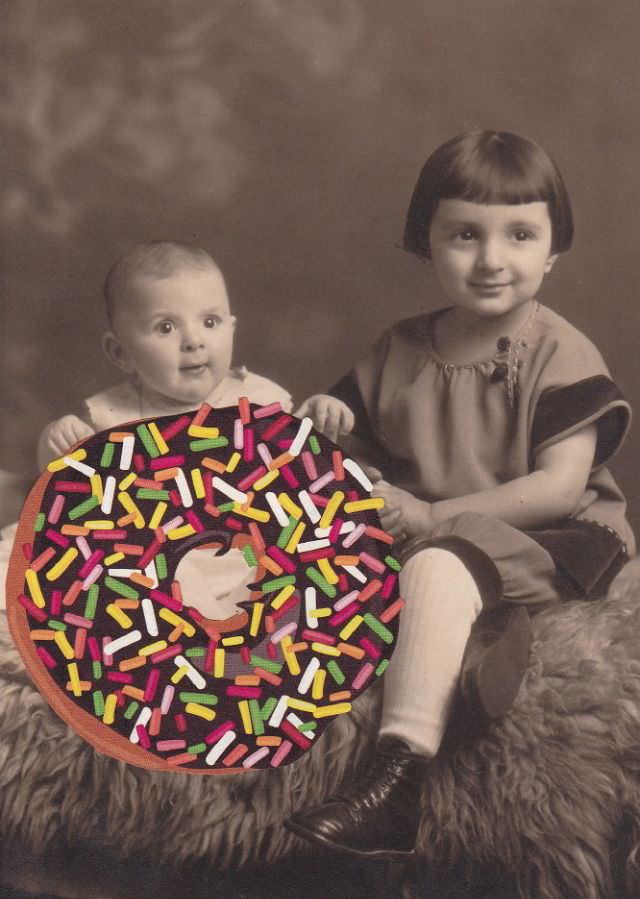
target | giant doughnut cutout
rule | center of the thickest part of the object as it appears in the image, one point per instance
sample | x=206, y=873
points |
x=204, y=592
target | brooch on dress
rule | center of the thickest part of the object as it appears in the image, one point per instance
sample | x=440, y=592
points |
x=507, y=363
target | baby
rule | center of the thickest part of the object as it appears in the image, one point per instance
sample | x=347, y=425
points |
x=171, y=332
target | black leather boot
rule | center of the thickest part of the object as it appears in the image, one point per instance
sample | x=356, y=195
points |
x=376, y=818
x=495, y=663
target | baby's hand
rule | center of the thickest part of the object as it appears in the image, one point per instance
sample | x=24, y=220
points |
x=403, y=515
x=330, y=416
x=59, y=436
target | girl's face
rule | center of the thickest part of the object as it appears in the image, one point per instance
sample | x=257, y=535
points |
x=490, y=259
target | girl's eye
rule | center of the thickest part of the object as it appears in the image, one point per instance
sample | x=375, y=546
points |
x=211, y=321
x=465, y=234
x=164, y=327
x=523, y=235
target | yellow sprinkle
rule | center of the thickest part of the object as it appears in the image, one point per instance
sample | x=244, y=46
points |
x=131, y=507
x=180, y=672
x=265, y=480
x=118, y=615
x=289, y=506
x=62, y=564
x=74, y=677
x=339, y=708
x=150, y=648
x=156, y=518
x=351, y=626
x=301, y=704
x=281, y=597
x=256, y=618
x=324, y=649
x=172, y=618
x=361, y=505
x=317, y=688
x=295, y=538
x=34, y=588
x=198, y=483
x=330, y=509
x=327, y=570
x=96, y=486
x=324, y=612
x=59, y=464
x=250, y=512
x=232, y=464
x=290, y=657
x=218, y=663
x=110, y=708
x=178, y=533
x=113, y=558
x=245, y=714
x=127, y=481
x=202, y=711
x=232, y=641
x=63, y=645
x=159, y=439
x=105, y=525
x=206, y=433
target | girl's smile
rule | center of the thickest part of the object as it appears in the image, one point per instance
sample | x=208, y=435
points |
x=490, y=259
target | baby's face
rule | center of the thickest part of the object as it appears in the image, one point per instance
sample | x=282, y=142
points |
x=176, y=333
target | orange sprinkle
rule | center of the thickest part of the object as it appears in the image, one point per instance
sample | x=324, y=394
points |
x=181, y=759
x=341, y=694
x=213, y=465
x=123, y=603
x=129, y=549
x=346, y=560
x=72, y=593
x=176, y=633
x=299, y=647
x=141, y=579
x=268, y=741
x=247, y=680
x=155, y=721
x=269, y=676
x=133, y=692
x=74, y=530
x=84, y=685
x=166, y=474
x=126, y=519
x=134, y=662
x=43, y=635
x=119, y=436
x=354, y=651
x=270, y=564
x=279, y=461
x=201, y=415
x=235, y=755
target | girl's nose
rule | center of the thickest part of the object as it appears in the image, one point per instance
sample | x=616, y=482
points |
x=191, y=339
x=490, y=256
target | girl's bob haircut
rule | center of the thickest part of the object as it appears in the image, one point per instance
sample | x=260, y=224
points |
x=488, y=167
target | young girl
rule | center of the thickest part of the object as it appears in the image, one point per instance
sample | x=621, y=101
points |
x=487, y=426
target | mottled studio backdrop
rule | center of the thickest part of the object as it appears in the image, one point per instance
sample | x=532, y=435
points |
x=285, y=136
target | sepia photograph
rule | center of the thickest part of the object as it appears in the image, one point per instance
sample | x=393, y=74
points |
x=319, y=499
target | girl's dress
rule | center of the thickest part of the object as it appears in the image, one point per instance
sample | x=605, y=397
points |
x=441, y=430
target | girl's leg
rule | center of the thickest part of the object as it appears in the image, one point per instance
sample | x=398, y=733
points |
x=379, y=816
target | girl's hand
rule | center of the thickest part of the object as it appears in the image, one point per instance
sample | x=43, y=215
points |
x=59, y=436
x=330, y=416
x=403, y=515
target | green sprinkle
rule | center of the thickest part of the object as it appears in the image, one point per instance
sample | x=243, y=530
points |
x=314, y=443
x=382, y=667
x=146, y=493
x=131, y=709
x=277, y=584
x=40, y=520
x=202, y=698
x=314, y=575
x=196, y=749
x=267, y=664
x=161, y=566
x=336, y=672
x=107, y=455
x=195, y=652
x=249, y=556
x=123, y=589
x=98, y=703
x=268, y=707
x=149, y=443
x=307, y=725
x=256, y=719
x=393, y=563
x=92, y=602
x=226, y=507
x=83, y=507
x=97, y=669
x=56, y=625
x=383, y=632
x=209, y=443
x=286, y=532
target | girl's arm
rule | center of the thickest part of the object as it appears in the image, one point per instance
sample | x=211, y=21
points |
x=552, y=491
x=59, y=436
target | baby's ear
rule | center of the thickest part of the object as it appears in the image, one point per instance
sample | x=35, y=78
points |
x=115, y=352
x=550, y=263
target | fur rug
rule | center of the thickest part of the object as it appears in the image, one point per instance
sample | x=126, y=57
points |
x=547, y=795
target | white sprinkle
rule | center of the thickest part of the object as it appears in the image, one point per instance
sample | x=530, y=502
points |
x=311, y=545
x=108, y=495
x=278, y=713
x=356, y=573
x=236, y=495
x=354, y=469
x=79, y=466
x=297, y=722
x=183, y=489
x=192, y=673
x=313, y=513
x=143, y=719
x=307, y=677
x=152, y=574
x=310, y=606
x=150, y=620
x=298, y=441
x=280, y=515
x=121, y=642
x=126, y=456
x=218, y=748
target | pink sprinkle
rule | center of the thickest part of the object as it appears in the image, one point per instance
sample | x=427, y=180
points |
x=165, y=600
x=167, y=653
x=276, y=426
x=355, y=534
x=71, y=487
x=249, y=445
x=46, y=657
x=341, y=616
x=151, y=685
x=309, y=465
x=318, y=637
x=108, y=659
x=174, y=496
x=77, y=620
x=265, y=411
x=283, y=631
x=294, y=734
x=245, y=654
x=388, y=585
x=172, y=429
x=115, y=534
x=151, y=551
x=391, y=611
x=120, y=677
x=94, y=649
x=194, y=614
x=41, y=560
x=238, y=434
x=194, y=521
x=255, y=757
x=80, y=643
x=322, y=482
x=91, y=560
x=83, y=546
x=181, y=722
x=138, y=462
x=272, y=651
x=56, y=509
x=282, y=559
x=334, y=533
x=373, y=564
x=92, y=577
x=281, y=753
x=313, y=554
x=289, y=604
x=56, y=602
x=211, y=648
x=167, y=698
x=264, y=454
x=170, y=745
x=369, y=648
x=39, y=614
x=27, y=551
x=289, y=477
x=218, y=732
x=234, y=523
x=320, y=501
x=166, y=462
x=245, y=692
x=247, y=481
x=346, y=600
x=343, y=582
x=362, y=676
x=56, y=537
x=143, y=736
